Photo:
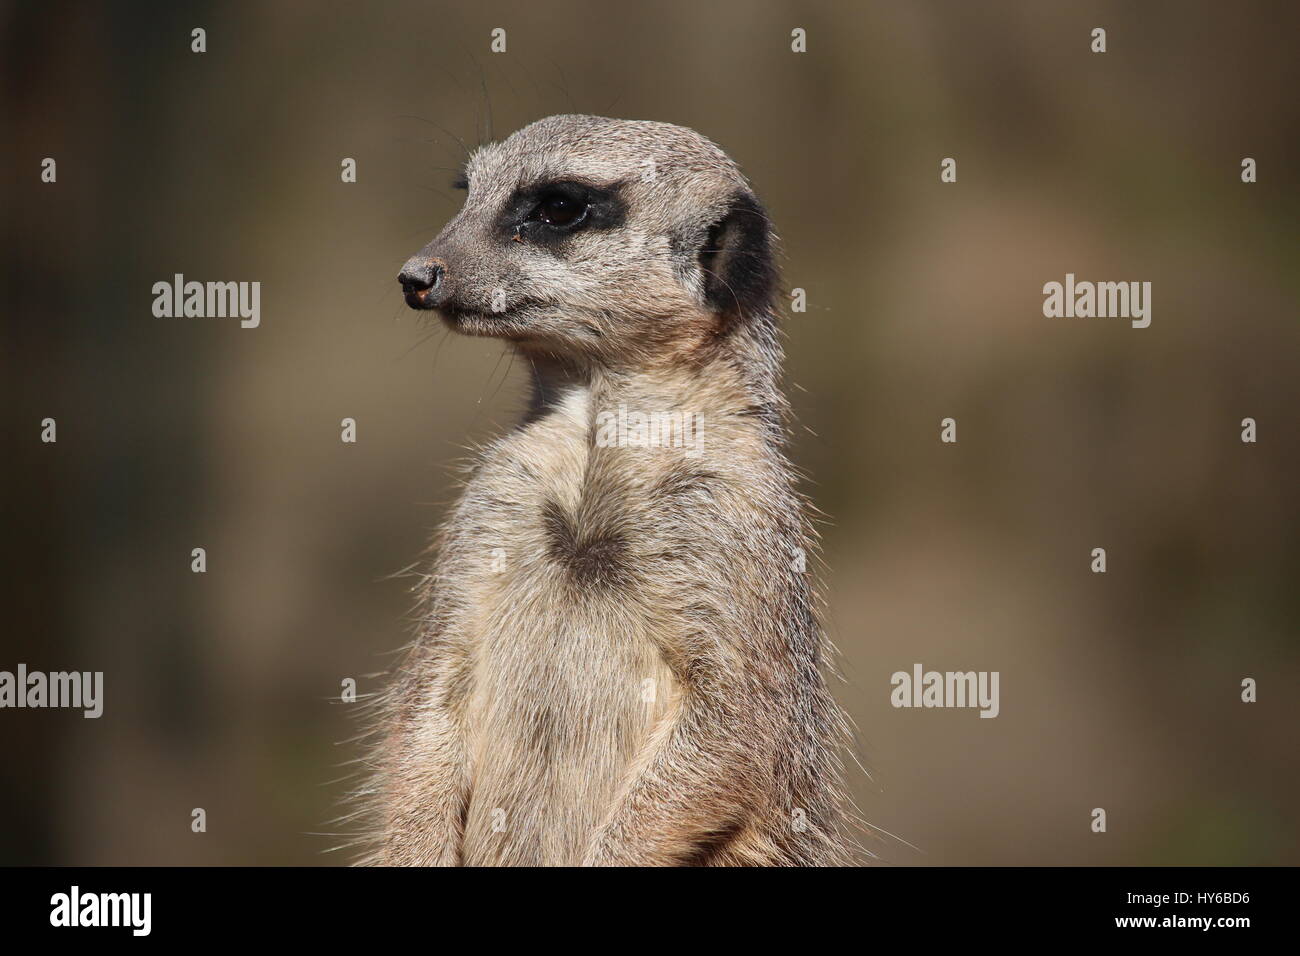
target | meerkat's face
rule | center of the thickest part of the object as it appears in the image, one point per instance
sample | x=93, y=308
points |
x=605, y=238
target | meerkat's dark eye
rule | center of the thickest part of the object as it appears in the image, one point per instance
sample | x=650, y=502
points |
x=549, y=214
x=557, y=209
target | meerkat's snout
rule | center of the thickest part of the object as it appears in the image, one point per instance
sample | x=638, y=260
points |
x=421, y=280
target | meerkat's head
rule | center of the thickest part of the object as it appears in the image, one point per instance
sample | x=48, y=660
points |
x=609, y=239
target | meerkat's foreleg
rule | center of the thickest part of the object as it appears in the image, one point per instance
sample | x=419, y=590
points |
x=428, y=787
x=693, y=789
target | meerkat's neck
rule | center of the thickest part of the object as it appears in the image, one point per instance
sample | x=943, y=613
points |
x=735, y=381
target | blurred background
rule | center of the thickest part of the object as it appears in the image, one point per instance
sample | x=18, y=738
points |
x=1118, y=690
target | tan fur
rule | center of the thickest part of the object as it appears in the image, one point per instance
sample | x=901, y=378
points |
x=571, y=576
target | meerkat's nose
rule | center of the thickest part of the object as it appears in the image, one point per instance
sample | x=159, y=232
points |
x=421, y=280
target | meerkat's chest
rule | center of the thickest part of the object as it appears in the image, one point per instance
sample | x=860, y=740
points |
x=565, y=681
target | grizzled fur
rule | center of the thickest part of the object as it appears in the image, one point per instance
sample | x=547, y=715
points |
x=618, y=659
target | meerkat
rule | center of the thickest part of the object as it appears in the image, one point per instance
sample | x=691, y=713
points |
x=618, y=660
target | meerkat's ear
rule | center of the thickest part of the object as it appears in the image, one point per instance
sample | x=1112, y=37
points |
x=739, y=270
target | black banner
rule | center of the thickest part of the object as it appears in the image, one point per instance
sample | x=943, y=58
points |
x=334, y=905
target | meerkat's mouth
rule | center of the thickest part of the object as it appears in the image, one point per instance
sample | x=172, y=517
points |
x=457, y=316
x=492, y=324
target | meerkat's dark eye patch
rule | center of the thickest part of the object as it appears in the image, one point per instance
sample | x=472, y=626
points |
x=548, y=213
x=736, y=258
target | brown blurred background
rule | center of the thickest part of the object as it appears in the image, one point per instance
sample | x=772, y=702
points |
x=1118, y=690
